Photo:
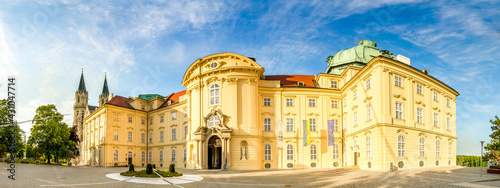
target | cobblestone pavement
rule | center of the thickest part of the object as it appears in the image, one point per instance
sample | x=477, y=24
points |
x=29, y=175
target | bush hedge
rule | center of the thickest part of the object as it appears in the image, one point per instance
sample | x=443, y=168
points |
x=149, y=169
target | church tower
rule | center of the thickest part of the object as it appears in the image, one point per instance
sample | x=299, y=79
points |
x=79, y=108
x=104, y=96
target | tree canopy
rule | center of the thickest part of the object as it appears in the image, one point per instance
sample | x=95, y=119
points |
x=494, y=145
x=49, y=133
x=5, y=131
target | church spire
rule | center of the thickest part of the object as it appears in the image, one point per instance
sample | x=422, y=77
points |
x=105, y=90
x=81, y=86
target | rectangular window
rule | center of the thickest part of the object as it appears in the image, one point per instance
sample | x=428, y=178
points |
x=150, y=107
x=345, y=123
x=173, y=155
x=335, y=151
x=116, y=135
x=150, y=137
x=420, y=115
x=355, y=119
x=398, y=81
x=267, y=101
x=130, y=119
x=436, y=120
x=161, y=136
x=143, y=121
x=345, y=101
x=354, y=94
x=419, y=89
x=174, y=116
x=267, y=124
x=289, y=102
x=143, y=107
x=116, y=116
x=421, y=147
x=438, y=148
x=436, y=97
x=312, y=123
x=289, y=152
x=399, y=110
x=130, y=136
x=448, y=123
x=185, y=131
x=368, y=147
x=143, y=137
x=448, y=103
x=115, y=155
x=185, y=112
x=161, y=155
x=367, y=84
x=368, y=112
x=333, y=84
x=143, y=156
x=334, y=103
x=289, y=124
x=151, y=121
x=335, y=125
x=312, y=102
x=150, y=156
x=174, y=134
x=162, y=119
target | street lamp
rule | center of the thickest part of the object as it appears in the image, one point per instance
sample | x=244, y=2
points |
x=481, y=163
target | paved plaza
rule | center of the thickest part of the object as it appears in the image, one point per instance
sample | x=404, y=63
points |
x=29, y=175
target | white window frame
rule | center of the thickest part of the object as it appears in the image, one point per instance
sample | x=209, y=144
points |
x=289, y=124
x=161, y=136
x=151, y=121
x=312, y=123
x=335, y=103
x=420, y=115
x=174, y=115
x=450, y=145
x=399, y=110
x=367, y=84
x=436, y=96
x=173, y=155
x=150, y=156
x=214, y=121
x=161, y=155
x=335, y=125
x=355, y=117
x=312, y=153
x=312, y=102
x=130, y=136
x=289, y=152
x=368, y=112
x=117, y=117
x=401, y=146
x=448, y=123
x=143, y=122
x=174, y=134
x=150, y=137
x=436, y=120
x=333, y=84
x=267, y=124
x=368, y=147
x=143, y=156
x=335, y=151
x=448, y=102
x=355, y=145
x=115, y=137
x=267, y=101
x=419, y=89
x=289, y=101
x=354, y=94
x=421, y=147
x=143, y=107
x=267, y=152
x=398, y=81
x=150, y=107
x=186, y=131
x=130, y=119
x=214, y=94
x=115, y=155
x=438, y=149
x=345, y=101
x=143, y=137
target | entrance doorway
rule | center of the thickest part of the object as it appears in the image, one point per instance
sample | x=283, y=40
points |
x=214, y=153
x=356, y=158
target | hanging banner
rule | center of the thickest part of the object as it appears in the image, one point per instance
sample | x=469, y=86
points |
x=307, y=135
x=331, y=138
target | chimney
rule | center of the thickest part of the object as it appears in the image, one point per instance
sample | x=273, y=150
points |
x=403, y=59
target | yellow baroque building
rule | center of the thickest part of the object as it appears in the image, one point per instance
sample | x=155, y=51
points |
x=385, y=113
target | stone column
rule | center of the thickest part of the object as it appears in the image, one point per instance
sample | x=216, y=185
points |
x=223, y=152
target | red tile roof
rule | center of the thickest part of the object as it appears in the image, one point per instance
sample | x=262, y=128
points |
x=120, y=101
x=292, y=80
x=174, y=97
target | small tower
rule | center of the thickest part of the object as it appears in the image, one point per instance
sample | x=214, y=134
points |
x=104, y=96
x=79, y=109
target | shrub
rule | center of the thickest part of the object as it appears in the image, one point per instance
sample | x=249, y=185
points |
x=149, y=169
x=154, y=166
x=171, y=168
x=131, y=168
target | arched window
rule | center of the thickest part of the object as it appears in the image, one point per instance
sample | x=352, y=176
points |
x=289, y=152
x=116, y=155
x=368, y=147
x=335, y=151
x=267, y=152
x=161, y=155
x=449, y=149
x=313, y=152
x=214, y=94
x=438, y=148
x=214, y=121
x=401, y=146
x=173, y=155
x=129, y=154
x=421, y=147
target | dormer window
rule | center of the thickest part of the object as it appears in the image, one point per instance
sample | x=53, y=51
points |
x=300, y=84
x=213, y=65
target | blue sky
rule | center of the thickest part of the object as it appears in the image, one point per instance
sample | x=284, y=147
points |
x=145, y=47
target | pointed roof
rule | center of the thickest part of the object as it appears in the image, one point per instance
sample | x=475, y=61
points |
x=81, y=86
x=105, y=90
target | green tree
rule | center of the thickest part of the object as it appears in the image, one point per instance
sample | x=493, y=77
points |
x=49, y=133
x=29, y=151
x=6, y=130
x=494, y=146
x=37, y=153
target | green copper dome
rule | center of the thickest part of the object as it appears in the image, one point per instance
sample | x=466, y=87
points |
x=357, y=56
